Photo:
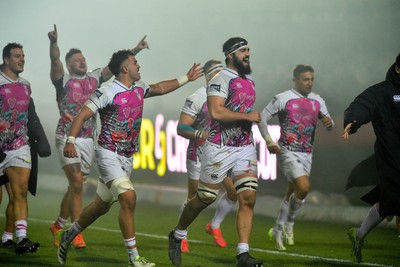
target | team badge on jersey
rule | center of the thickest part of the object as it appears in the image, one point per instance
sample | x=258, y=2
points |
x=216, y=87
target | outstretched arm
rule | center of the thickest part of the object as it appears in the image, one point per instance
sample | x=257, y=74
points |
x=168, y=86
x=361, y=110
x=56, y=67
x=346, y=131
x=139, y=47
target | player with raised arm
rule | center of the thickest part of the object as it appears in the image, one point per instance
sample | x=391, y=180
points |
x=120, y=106
x=73, y=89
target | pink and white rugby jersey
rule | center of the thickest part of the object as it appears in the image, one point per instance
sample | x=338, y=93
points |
x=196, y=106
x=120, y=110
x=14, y=103
x=72, y=94
x=298, y=116
x=240, y=95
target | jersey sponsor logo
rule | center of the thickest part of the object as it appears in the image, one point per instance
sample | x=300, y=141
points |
x=98, y=93
x=189, y=103
x=396, y=98
x=239, y=85
x=216, y=87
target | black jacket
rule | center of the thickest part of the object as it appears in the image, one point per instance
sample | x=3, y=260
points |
x=39, y=146
x=380, y=105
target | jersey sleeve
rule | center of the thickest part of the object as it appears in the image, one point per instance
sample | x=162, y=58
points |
x=323, y=109
x=146, y=88
x=267, y=113
x=99, y=99
x=217, y=87
x=193, y=104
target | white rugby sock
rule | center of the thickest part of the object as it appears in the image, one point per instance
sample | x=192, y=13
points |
x=21, y=227
x=371, y=220
x=224, y=206
x=242, y=247
x=73, y=232
x=61, y=222
x=130, y=244
x=294, y=207
x=283, y=215
x=180, y=234
x=7, y=236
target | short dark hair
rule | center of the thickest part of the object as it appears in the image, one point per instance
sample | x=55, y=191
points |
x=7, y=49
x=72, y=52
x=301, y=68
x=398, y=60
x=116, y=61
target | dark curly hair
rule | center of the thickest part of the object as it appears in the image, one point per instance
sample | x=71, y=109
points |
x=116, y=60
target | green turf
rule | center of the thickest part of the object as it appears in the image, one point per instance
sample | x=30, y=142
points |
x=317, y=244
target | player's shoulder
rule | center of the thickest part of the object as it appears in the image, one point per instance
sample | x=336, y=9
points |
x=6, y=80
x=24, y=81
x=199, y=93
x=198, y=97
x=140, y=83
x=316, y=96
x=109, y=88
x=284, y=94
x=95, y=72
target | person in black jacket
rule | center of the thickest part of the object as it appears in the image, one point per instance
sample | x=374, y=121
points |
x=380, y=105
x=40, y=146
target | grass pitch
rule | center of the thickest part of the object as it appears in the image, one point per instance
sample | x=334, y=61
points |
x=317, y=244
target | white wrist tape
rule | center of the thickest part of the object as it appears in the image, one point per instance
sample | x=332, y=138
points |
x=183, y=80
x=71, y=139
x=269, y=140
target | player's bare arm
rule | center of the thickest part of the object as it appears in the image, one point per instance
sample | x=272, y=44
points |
x=56, y=66
x=168, y=86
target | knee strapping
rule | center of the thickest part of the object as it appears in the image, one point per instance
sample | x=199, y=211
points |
x=120, y=185
x=246, y=183
x=207, y=195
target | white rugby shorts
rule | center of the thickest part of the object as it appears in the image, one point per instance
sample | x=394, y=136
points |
x=111, y=165
x=20, y=157
x=294, y=164
x=220, y=162
x=84, y=148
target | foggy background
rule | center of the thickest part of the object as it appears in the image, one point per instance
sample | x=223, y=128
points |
x=350, y=44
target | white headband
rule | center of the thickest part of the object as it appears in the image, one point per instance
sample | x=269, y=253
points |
x=214, y=68
x=244, y=46
x=235, y=47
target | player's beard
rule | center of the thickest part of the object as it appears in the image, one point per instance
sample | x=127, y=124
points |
x=241, y=68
